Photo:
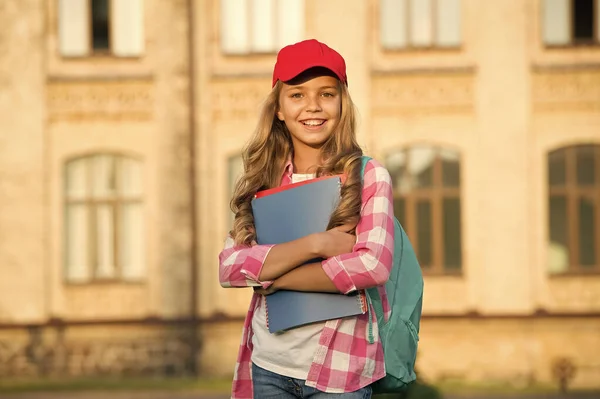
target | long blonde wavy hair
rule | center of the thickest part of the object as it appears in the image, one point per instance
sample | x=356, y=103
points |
x=268, y=150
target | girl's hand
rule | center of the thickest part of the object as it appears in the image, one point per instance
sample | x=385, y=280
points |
x=265, y=291
x=335, y=241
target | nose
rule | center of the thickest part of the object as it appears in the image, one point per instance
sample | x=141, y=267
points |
x=314, y=104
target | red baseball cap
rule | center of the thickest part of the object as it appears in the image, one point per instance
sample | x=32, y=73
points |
x=296, y=58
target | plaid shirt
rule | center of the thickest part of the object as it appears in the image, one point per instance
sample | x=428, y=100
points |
x=344, y=361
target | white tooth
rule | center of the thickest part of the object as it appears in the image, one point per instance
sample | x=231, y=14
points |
x=313, y=123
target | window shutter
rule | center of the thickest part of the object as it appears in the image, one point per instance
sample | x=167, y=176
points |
x=556, y=22
x=127, y=27
x=448, y=23
x=421, y=23
x=290, y=30
x=263, y=25
x=74, y=28
x=393, y=24
x=234, y=26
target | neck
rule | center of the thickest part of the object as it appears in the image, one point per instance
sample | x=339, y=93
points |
x=307, y=160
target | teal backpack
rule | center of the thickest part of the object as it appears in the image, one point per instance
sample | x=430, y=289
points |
x=400, y=334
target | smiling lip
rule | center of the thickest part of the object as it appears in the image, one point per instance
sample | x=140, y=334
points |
x=313, y=124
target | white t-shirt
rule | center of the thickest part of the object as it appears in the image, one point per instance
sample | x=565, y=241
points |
x=289, y=353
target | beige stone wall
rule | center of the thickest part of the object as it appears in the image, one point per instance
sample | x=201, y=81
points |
x=502, y=101
x=23, y=177
x=138, y=107
x=517, y=352
x=95, y=350
x=490, y=101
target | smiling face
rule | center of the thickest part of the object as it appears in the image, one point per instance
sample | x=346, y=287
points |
x=311, y=109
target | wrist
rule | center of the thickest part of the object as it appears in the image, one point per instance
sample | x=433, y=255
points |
x=278, y=283
x=315, y=246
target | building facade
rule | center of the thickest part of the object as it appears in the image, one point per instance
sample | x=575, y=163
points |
x=121, y=125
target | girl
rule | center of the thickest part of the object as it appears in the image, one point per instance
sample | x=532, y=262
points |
x=307, y=129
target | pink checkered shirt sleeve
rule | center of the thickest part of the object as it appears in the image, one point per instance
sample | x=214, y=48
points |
x=370, y=262
x=240, y=265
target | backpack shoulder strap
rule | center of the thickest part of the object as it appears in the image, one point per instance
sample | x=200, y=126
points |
x=364, y=160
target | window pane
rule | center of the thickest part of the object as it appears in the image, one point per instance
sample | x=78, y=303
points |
x=103, y=176
x=130, y=177
x=100, y=26
x=400, y=210
x=558, y=253
x=76, y=179
x=77, y=243
x=131, y=241
x=587, y=236
x=234, y=26
x=583, y=20
x=585, y=164
x=105, y=238
x=556, y=22
x=424, y=236
x=395, y=163
x=289, y=30
x=393, y=23
x=450, y=168
x=557, y=171
x=263, y=25
x=420, y=165
x=448, y=23
x=452, y=233
x=128, y=27
x=421, y=23
x=73, y=27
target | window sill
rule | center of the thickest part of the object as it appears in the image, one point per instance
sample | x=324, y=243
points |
x=416, y=50
x=572, y=46
x=575, y=273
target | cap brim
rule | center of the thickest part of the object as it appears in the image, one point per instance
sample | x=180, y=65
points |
x=291, y=75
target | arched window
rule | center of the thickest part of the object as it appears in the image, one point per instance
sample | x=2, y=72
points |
x=426, y=183
x=104, y=224
x=574, y=209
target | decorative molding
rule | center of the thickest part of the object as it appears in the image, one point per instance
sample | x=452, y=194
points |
x=94, y=99
x=423, y=93
x=566, y=89
x=238, y=98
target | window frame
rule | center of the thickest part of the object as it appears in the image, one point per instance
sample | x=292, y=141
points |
x=410, y=47
x=91, y=203
x=435, y=194
x=278, y=25
x=92, y=54
x=572, y=191
x=573, y=43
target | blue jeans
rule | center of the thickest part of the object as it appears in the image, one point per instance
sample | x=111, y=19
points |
x=269, y=385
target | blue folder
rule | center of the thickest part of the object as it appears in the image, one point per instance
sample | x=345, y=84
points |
x=285, y=215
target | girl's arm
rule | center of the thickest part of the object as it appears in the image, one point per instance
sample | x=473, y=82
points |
x=257, y=265
x=239, y=265
x=370, y=262
x=309, y=277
